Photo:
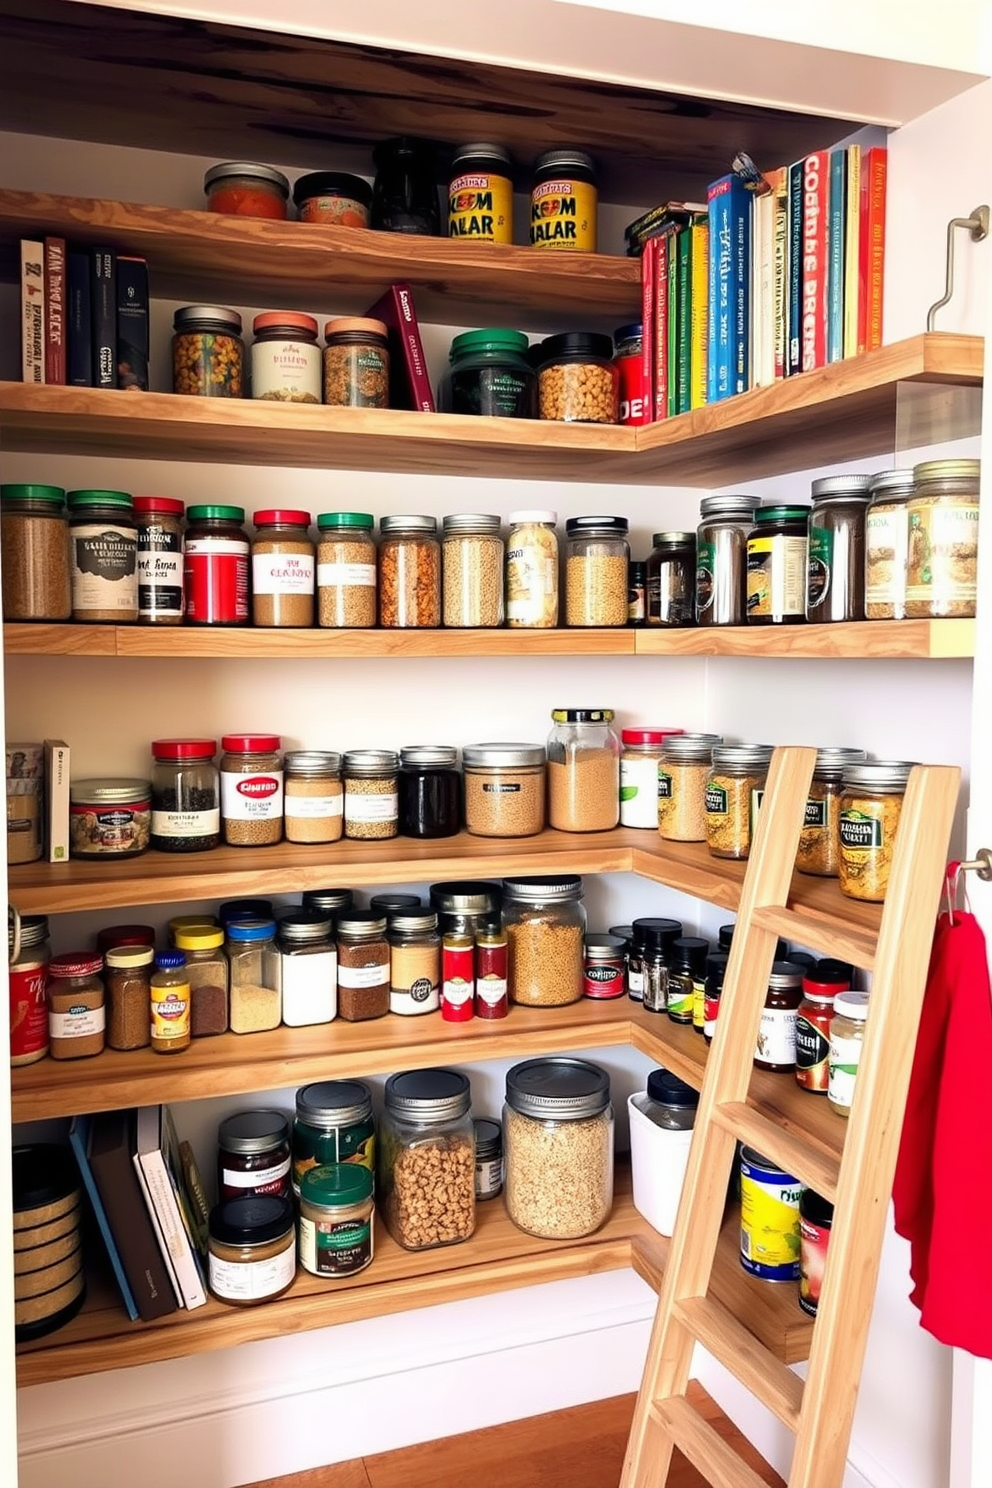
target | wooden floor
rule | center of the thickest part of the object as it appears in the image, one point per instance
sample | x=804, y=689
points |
x=581, y=1447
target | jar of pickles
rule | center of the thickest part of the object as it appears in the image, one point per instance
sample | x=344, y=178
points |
x=819, y=845
x=734, y=789
x=683, y=770
x=207, y=352
x=870, y=807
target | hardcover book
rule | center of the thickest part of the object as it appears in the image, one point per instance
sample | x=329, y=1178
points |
x=813, y=309
x=683, y=338
x=79, y=342
x=32, y=311
x=698, y=294
x=852, y=251
x=103, y=317
x=156, y=1162
x=794, y=287
x=111, y=1147
x=132, y=324
x=79, y=1139
x=409, y=383
x=779, y=182
x=871, y=269
x=649, y=291
x=662, y=370
x=55, y=316
x=730, y=289
x=836, y=237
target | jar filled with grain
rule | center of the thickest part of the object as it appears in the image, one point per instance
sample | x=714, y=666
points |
x=208, y=354
x=371, y=794
x=430, y=791
x=819, y=844
x=734, y=788
x=545, y=925
x=256, y=989
x=251, y=789
x=160, y=559
x=887, y=544
x=104, y=557
x=363, y=966
x=128, y=972
x=721, y=559
x=208, y=975
x=942, y=567
x=409, y=573
x=356, y=363
x=472, y=570
x=672, y=579
x=558, y=1143
x=76, y=1011
x=870, y=807
x=426, y=1160
x=639, y=761
x=578, y=380
x=532, y=571
x=283, y=559
x=505, y=788
x=597, y=556
x=34, y=535
x=583, y=770
x=313, y=801
x=285, y=357
x=308, y=968
x=683, y=770
x=415, y=963
x=346, y=570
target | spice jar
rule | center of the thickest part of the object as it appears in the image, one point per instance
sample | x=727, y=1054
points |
x=596, y=560
x=870, y=807
x=308, y=968
x=564, y=202
x=241, y=909
x=251, y=789
x=346, y=570
x=216, y=566
x=256, y=992
x=363, y=966
x=942, y=566
x=313, y=798
x=628, y=355
x=489, y=376
x=333, y=199
x=331, y=901
x=734, y=789
x=185, y=796
x=430, y=791
x=604, y=974
x=488, y=1159
x=716, y=970
x=112, y=936
x=545, y=927
x=336, y=1229
x=683, y=771
x=558, y=1136
x=282, y=569
x=887, y=544
x=577, y=380
x=253, y=1156
x=504, y=789
x=776, y=565
x=356, y=363
x=109, y=818
x=76, y=1013
x=34, y=534
x=285, y=358
x=480, y=194
x=775, y=1050
x=721, y=559
x=207, y=352
x=333, y=1125
x=160, y=559
x=457, y=977
x=637, y=594
x=371, y=794
x=819, y=847
x=583, y=770
x=409, y=573
x=28, y=979
x=688, y=955
x=847, y=1033
x=835, y=571
x=468, y=907
x=532, y=571
x=170, y=1000
x=491, y=972
x=104, y=557
x=252, y=1250
x=655, y=938
x=813, y=1022
x=472, y=572
x=207, y=973
x=426, y=1160
x=128, y=980
x=639, y=761
x=404, y=197
x=414, y=963
x=242, y=190
x=672, y=579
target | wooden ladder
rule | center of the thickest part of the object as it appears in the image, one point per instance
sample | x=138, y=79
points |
x=820, y=1411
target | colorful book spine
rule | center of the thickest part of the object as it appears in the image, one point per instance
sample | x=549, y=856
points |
x=742, y=199
x=813, y=334
x=836, y=231
x=698, y=294
x=103, y=313
x=673, y=327
x=649, y=276
x=79, y=366
x=132, y=324
x=852, y=250
x=779, y=182
x=794, y=296
x=719, y=366
x=763, y=291
x=683, y=295
x=55, y=316
x=32, y=311
x=873, y=182
x=661, y=303
x=409, y=380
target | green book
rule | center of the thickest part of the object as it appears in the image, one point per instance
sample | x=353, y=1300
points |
x=683, y=354
x=673, y=323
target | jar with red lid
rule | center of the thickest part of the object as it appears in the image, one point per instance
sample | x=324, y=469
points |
x=160, y=559
x=776, y=1047
x=28, y=1003
x=215, y=566
x=185, y=795
x=813, y=1022
x=457, y=978
x=639, y=760
x=285, y=358
x=283, y=567
x=491, y=960
x=239, y=188
x=113, y=936
x=251, y=789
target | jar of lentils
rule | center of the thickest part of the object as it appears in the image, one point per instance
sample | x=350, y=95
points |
x=734, y=790
x=251, y=789
x=207, y=352
x=35, y=536
x=356, y=363
x=721, y=559
x=887, y=544
x=472, y=567
x=870, y=808
x=578, y=380
x=505, y=786
x=409, y=573
x=346, y=571
x=597, y=555
x=942, y=567
x=683, y=773
x=558, y=1140
x=819, y=845
x=371, y=794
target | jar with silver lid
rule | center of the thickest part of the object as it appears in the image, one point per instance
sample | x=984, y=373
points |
x=488, y=1159
x=597, y=555
x=414, y=962
x=505, y=789
x=207, y=352
x=333, y=902
x=721, y=559
x=887, y=544
x=819, y=845
x=430, y=791
x=942, y=564
x=558, y=1139
x=683, y=771
x=313, y=796
x=870, y=808
x=426, y=1160
x=672, y=579
x=466, y=906
x=734, y=790
x=109, y=818
x=308, y=966
x=545, y=927
x=472, y=567
x=409, y=573
x=835, y=564
x=371, y=798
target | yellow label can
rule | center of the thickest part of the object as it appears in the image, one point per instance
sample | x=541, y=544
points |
x=769, y=1219
x=564, y=203
x=480, y=208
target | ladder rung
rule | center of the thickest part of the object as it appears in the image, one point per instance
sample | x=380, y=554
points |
x=816, y=1170
x=738, y=1350
x=847, y=943
x=719, y=1464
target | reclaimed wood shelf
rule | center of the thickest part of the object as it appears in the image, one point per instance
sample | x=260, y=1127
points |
x=857, y=640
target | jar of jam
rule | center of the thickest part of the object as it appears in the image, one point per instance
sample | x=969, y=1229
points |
x=240, y=189
x=253, y=1156
x=776, y=1046
x=333, y=198
x=813, y=1021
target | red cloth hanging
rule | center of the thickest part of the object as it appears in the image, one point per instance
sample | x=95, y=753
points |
x=943, y=1184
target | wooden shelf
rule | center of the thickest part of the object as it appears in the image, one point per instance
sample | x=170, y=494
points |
x=860, y=640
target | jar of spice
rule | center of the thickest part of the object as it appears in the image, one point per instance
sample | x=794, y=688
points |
x=942, y=567
x=34, y=534
x=558, y=1134
x=819, y=847
x=332, y=901
x=109, y=818
x=847, y=1034
x=472, y=572
x=776, y=565
x=683, y=771
x=505, y=787
x=333, y=1125
x=283, y=560
x=656, y=938
x=112, y=936
x=887, y=544
x=672, y=566
x=239, y=189
x=415, y=963
x=313, y=800
x=578, y=381
x=356, y=363
x=596, y=560
x=564, y=202
x=716, y=970
x=216, y=566
x=371, y=794
x=346, y=570
x=426, y=1161
x=252, y=1250
x=835, y=574
x=160, y=559
x=185, y=796
x=285, y=358
x=721, y=559
x=545, y=927
x=251, y=789
x=457, y=977
x=491, y=972
x=430, y=791
x=25, y=801
x=532, y=571
x=409, y=573
x=104, y=548
x=28, y=979
x=256, y=989
x=363, y=966
x=170, y=1004
x=734, y=790
x=333, y=199
x=813, y=1022
x=128, y=980
x=467, y=907
x=308, y=968
x=207, y=972
x=605, y=967
x=336, y=1220
x=686, y=977
x=207, y=352
x=488, y=1159
x=639, y=762
x=870, y=807
x=76, y=1013
x=253, y=1156
x=490, y=376
x=583, y=770
x=480, y=194
x=775, y=1050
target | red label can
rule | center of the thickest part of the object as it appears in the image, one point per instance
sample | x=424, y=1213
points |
x=491, y=1000
x=28, y=1014
x=635, y=396
x=216, y=581
x=603, y=979
x=457, y=978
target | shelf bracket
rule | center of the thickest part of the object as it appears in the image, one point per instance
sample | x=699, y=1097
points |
x=978, y=229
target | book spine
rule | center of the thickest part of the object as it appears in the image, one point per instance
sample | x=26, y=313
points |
x=661, y=302
x=672, y=353
x=697, y=312
x=741, y=202
x=649, y=274
x=32, y=311
x=718, y=377
x=780, y=265
x=104, y=317
x=79, y=1141
x=816, y=179
x=683, y=396
x=876, y=174
x=79, y=368
x=55, y=317
x=852, y=249
x=413, y=350
x=132, y=324
x=111, y=1144
x=164, y=1210
x=835, y=255
x=763, y=292
x=794, y=292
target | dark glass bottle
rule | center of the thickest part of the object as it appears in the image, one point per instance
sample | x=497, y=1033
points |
x=405, y=195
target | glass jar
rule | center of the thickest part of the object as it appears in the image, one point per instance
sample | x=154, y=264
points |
x=253, y=1156
x=333, y=199
x=25, y=801
x=109, y=818
x=545, y=927
x=308, y=968
x=734, y=789
x=426, y=1161
x=583, y=770
x=532, y=571
x=333, y=1125
x=160, y=559
x=251, y=789
x=391, y=905
x=656, y=938
x=942, y=567
x=112, y=936
x=686, y=977
x=252, y=1250
x=409, y=573
x=604, y=974
x=488, y=1159
x=721, y=559
x=628, y=357
x=835, y=572
x=775, y=1050
x=208, y=353
x=564, y=202
x=819, y=847
x=847, y=1033
x=34, y=535
x=492, y=959
x=332, y=901
x=185, y=796
x=683, y=772
x=716, y=971
x=239, y=189
x=283, y=559
x=128, y=972
x=256, y=989
x=558, y=1136
x=405, y=197
x=813, y=1022
x=76, y=1012
x=207, y=970
x=578, y=381
x=637, y=594
x=363, y=966
x=672, y=579
x=414, y=963
x=371, y=794
x=313, y=800
x=870, y=807
x=336, y=1221
x=430, y=791
x=346, y=570
x=489, y=376
x=639, y=760
x=285, y=358
x=480, y=194
x=887, y=544
x=466, y=907
x=356, y=363
x=472, y=572
x=28, y=979
x=505, y=788
x=597, y=556
x=216, y=566
x=170, y=1004
x=777, y=547
x=104, y=557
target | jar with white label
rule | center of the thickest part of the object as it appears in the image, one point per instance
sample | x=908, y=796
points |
x=346, y=570
x=185, y=796
x=776, y=1047
x=308, y=968
x=336, y=1220
x=160, y=559
x=253, y=1155
x=285, y=358
x=532, y=571
x=251, y=789
x=252, y=1250
x=103, y=536
x=639, y=760
x=283, y=560
x=314, y=796
x=363, y=966
x=887, y=544
x=371, y=794
x=847, y=1034
x=415, y=963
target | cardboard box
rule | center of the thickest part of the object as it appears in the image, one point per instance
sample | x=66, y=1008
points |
x=56, y=800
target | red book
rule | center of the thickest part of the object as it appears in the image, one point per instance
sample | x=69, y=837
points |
x=871, y=249
x=661, y=367
x=813, y=287
x=55, y=306
x=649, y=271
x=409, y=383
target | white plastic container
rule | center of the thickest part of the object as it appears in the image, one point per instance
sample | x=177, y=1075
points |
x=659, y=1153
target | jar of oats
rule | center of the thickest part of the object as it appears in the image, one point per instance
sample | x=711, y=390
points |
x=356, y=363
x=942, y=566
x=504, y=789
x=472, y=569
x=597, y=555
x=371, y=794
x=583, y=770
x=313, y=802
x=734, y=789
x=425, y=1162
x=251, y=789
x=887, y=544
x=558, y=1140
x=870, y=807
x=578, y=380
x=346, y=571
x=545, y=926
x=819, y=846
x=35, y=537
x=409, y=573
x=683, y=770
x=256, y=988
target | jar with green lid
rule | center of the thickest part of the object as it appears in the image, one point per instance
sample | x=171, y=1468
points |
x=835, y=570
x=583, y=770
x=672, y=579
x=207, y=973
x=103, y=533
x=489, y=375
x=887, y=544
x=333, y=1125
x=356, y=363
x=564, y=202
x=207, y=352
x=426, y=1160
x=252, y=1250
x=545, y=926
x=777, y=547
x=870, y=807
x=34, y=536
x=346, y=570
x=734, y=789
x=942, y=565
x=683, y=770
x=336, y=1214
x=847, y=1034
x=216, y=566
x=721, y=559
x=819, y=843
x=558, y=1141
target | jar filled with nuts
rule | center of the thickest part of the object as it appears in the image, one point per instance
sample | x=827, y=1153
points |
x=558, y=1138
x=472, y=567
x=409, y=573
x=208, y=352
x=578, y=380
x=346, y=570
x=683, y=770
x=734, y=790
x=426, y=1159
x=371, y=794
x=819, y=845
x=596, y=558
x=282, y=569
x=545, y=927
x=356, y=363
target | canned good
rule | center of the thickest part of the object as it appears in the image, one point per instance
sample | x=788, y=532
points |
x=480, y=195
x=109, y=818
x=216, y=566
x=605, y=966
x=776, y=565
x=336, y=1213
x=334, y=198
x=635, y=393
x=564, y=202
x=28, y=978
x=769, y=1219
x=333, y=1125
x=816, y=1217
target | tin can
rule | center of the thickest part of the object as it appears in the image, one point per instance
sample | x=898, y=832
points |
x=564, y=203
x=769, y=1219
x=480, y=195
x=635, y=394
x=603, y=976
x=777, y=561
x=816, y=1217
x=457, y=978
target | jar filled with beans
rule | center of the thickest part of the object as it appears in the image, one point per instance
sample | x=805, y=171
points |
x=409, y=573
x=207, y=352
x=346, y=571
x=578, y=380
x=942, y=563
x=425, y=1167
x=356, y=363
x=734, y=790
x=472, y=566
x=596, y=558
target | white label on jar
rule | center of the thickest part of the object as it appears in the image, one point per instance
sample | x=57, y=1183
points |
x=77, y=1022
x=312, y=807
x=160, y=569
x=635, y=984
x=639, y=792
x=185, y=823
x=309, y=987
x=532, y=586
x=286, y=371
x=491, y=990
x=458, y=991
x=345, y=575
x=251, y=797
x=488, y=1177
x=777, y=1036
x=260, y=1178
x=363, y=976
x=251, y=1281
x=282, y=573
x=410, y=1002
x=104, y=568
x=212, y=547
x=362, y=808
x=845, y=1056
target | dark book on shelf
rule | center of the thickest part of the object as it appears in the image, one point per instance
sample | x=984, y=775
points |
x=132, y=324
x=103, y=317
x=79, y=343
x=112, y=1142
x=409, y=383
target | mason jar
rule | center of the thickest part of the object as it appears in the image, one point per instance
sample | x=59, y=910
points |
x=409, y=573
x=346, y=571
x=313, y=796
x=819, y=845
x=426, y=1159
x=734, y=788
x=532, y=571
x=256, y=986
x=887, y=544
x=208, y=354
x=414, y=963
x=583, y=770
x=34, y=531
x=870, y=808
x=371, y=795
x=545, y=927
x=683, y=770
x=942, y=566
x=721, y=559
x=430, y=791
x=835, y=572
x=597, y=556
x=472, y=557
x=558, y=1141
x=672, y=579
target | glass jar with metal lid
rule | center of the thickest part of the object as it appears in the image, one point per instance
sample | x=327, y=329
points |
x=313, y=799
x=109, y=818
x=285, y=357
x=414, y=963
x=356, y=363
x=333, y=1124
x=466, y=906
x=363, y=965
x=283, y=559
x=489, y=376
x=942, y=566
x=256, y=987
x=605, y=974
x=545, y=927
x=683, y=770
x=672, y=579
x=252, y=1250
x=371, y=799
x=887, y=544
x=480, y=194
x=208, y=975
x=242, y=189
x=847, y=1035
x=216, y=566
x=334, y=198
x=734, y=790
x=583, y=770
x=28, y=974
x=253, y=1155
x=185, y=795
x=835, y=569
x=128, y=971
x=346, y=570
x=332, y=901
x=505, y=787
x=532, y=571
x=488, y=1159
x=76, y=1012
x=564, y=202
x=687, y=956
x=390, y=904
x=34, y=533
x=336, y=1220
x=597, y=556
x=639, y=760
x=430, y=791
x=104, y=557
x=426, y=1160
x=777, y=547
x=472, y=571
x=558, y=1140
x=409, y=573
x=870, y=807
x=308, y=967
x=775, y=1049
x=578, y=381
x=721, y=559
x=819, y=846
x=208, y=353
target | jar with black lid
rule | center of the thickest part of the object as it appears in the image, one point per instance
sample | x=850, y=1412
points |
x=252, y=1250
x=490, y=376
x=480, y=194
x=334, y=198
x=672, y=579
x=721, y=559
x=578, y=380
x=887, y=544
x=637, y=593
x=686, y=975
x=35, y=537
x=185, y=795
x=777, y=548
x=430, y=795
x=776, y=1047
x=253, y=1156
x=331, y=901
x=208, y=353
x=404, y=197
x=657, y=938
x=564, y=202
x=835, y=572
x=488, y=1159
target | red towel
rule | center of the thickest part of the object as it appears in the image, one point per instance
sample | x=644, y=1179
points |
x=943, y=1184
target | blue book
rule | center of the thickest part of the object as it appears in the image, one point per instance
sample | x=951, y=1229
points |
x=79, y=342
x=794, y=282
x=79, y=1138
x=836, y=233
x=728, y=360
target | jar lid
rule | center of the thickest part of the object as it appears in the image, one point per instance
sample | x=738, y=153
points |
x=727, y=506
x=481, y=150
x=363, y=923
x=488, y=1137
x=690, y=748
x=521, y=518
x=34, y=929
x=466, y=896
x=492, y=339
x=851, y=487
x=310, y=762
x=244, y=909
x=891, y=482
x=370, y=762
x=347, y=325
x=536, y=889
x=576, y=346
x=331, y=1103
x=471, y=522
x=329, y=900
x=883, y=773
x=931, y=470
x=668, y=1090
x=124, y=957
x=109, y=792
x=576, y=526
x=655, y=933
x=81, y=500
x=818, y=1211
x=53, y=494
x=729, y=756
x=215, y=513
x=332, y=183
x=281, y=517
x=564, y=159
x=190, y=316
x=428, y=754
x=623, y=932
x=478, y=756
x=689, y=952
x=780, y=512
x=632, y=332
x=285, y=320
x=165, y=505
x=431, y=1094
x=250, y=743
x=398, y=524
x=716, y=965
x=832, y=761
x=422, y=923
x=827, y=978
x=253, y=1131
x=304, y=926
x=394, y=903
x=604, y=947
x=363, y=520
x=199, y=938
x=649, y=735
x=42, y=1173
x=785, y=975
x=852, y=1005
x=336, y=1185
x=582, y=715
x=169, y=960
x=75, y=963
x=244, y=168
x=184, y=749
x=565, y=1089
x=251, y=1221
x=123, y=935
x=674, y=539
x=247, y=930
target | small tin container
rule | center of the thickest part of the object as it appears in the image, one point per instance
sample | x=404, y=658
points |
x=240, y=189
x=605, y=965
x=109, y=818
x=333, y=198
x=336, y=1213
x=628, y=355
x=835, y=569
x=253, y=1156
x=333, y=1125
x=491, y=972
x=480, y=195
x=721, y=559
x=769, y=1219
x=252, y=1250
x=564, y=202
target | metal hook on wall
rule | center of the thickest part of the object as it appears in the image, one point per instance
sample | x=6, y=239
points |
x=978, y=228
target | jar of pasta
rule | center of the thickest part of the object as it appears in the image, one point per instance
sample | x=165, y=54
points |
x=942, y=566
x=409, y=573
x=734, y=790
x=532, y=571
x=583, y=770
x=504, y=789
x=346, y=570
x=683, y=770
x=819, y=847
x=870, y=807
x=596, y=558
x=887, y=544
x=207, y=352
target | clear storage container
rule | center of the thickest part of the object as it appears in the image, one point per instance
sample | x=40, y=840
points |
x=597, y=556
x=721, y=559
x=472, y=558
x=256, y=990
x=505, y=788
x=545, y=927
x=870, y=807
x=819, y=844
x=734, y=789
x=583, y=770
x=683, y=771
x=426, y=1159
x=558, y=1141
